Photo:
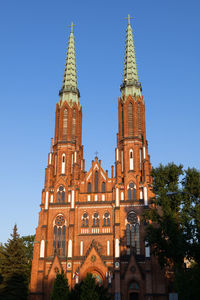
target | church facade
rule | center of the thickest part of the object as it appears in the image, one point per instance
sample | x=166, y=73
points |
x=89, y=222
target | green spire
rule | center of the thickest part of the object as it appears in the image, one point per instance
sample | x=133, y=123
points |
x=69, y=89
x=130, y=85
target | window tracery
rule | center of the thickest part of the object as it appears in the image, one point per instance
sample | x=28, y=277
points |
x=132, y=233
x=59, y=236
x=61, y=195
x=95, y=220
x=85, y=220
x=106, y=219
x=131, y=191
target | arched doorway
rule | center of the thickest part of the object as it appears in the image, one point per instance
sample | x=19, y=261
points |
x=97, y=277
x=134, y=291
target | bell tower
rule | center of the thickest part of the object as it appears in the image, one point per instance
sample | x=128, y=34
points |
x=132, y=161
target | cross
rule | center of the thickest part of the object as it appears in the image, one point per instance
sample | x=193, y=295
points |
x=129, y=19
x=96, y=153
x=72, y=25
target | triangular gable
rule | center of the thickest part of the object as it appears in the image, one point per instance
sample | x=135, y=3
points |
x=55, y=267
x=93, y=261
x=96, y=166
x=133, y=270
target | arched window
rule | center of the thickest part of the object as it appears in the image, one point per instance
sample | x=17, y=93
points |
x=61, y=195
x=132, y=233
x=85, y=220
x=106, y=219
x=95, y=220
x=103, y=187
x=96, y=182
x=63, y=164
x=65, y=125
x=89, y=187
x=131, y=192
x=63, y=240
x=74, y=125
x=130, y=119
x=122, y=111
x=139, y=118
x=131, y=159
x=59, y=238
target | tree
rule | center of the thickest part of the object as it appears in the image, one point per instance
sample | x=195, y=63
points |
x=28, y=242
x=14, y=269
x=173, y=229
x=89, y=288
x=60, y=289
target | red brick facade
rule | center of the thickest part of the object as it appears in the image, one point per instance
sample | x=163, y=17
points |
x=89, y=222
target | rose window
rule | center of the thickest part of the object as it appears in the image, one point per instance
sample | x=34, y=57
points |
x=60, y=220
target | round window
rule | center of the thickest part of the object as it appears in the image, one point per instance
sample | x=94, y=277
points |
x=60, y=220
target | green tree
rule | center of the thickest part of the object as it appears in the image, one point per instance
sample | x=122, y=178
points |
x=174, y=228
x=14, y=269
x=28, y=242
x=89, y=288
x=60, y=289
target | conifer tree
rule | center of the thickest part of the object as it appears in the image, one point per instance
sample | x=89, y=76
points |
x=60, y=289
x=14, y=269
x=88, y=288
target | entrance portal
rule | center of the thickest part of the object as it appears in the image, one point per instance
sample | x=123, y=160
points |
x=133, y=296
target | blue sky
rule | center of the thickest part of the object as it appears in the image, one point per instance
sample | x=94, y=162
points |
x=33, y=39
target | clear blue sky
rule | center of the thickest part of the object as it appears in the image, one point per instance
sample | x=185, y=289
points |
x=33, y=41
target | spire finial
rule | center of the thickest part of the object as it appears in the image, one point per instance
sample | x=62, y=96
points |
x=129, y=19
x=72, y=27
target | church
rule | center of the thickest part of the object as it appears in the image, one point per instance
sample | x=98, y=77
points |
x=89, y=222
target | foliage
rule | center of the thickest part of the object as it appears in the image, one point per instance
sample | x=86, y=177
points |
x=173, y=221
x=14, y=269
x=28, y=242
x=88, y=288
x=60, y=289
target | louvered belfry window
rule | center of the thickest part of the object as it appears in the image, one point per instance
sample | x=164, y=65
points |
x=73, y=125
x=65, y=125
x=130, y=119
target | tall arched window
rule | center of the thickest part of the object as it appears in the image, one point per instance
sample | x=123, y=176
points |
x=131, y=159
x=103, y=187
x=95, y=220
x=65, y=125
x=130, y=119
x=131, y=192
x=89, y=187
x=96, y=182
x=106, y=219
x=74, y=125
x=63, y=164
x=61, y=195
x=132, y=233
x=85, y=220
x=122, y=111
x=59, y=239
x=139, y=118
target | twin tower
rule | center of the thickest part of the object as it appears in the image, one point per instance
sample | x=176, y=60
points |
x=88, y=222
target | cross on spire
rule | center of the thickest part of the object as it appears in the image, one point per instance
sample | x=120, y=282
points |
x=96, y=153
x=72, y=25
x=129, y=19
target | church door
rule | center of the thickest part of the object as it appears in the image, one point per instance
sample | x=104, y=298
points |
x=133, y=296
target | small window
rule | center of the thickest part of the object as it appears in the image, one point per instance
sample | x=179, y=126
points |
x=85, y=220
x=106, y=219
